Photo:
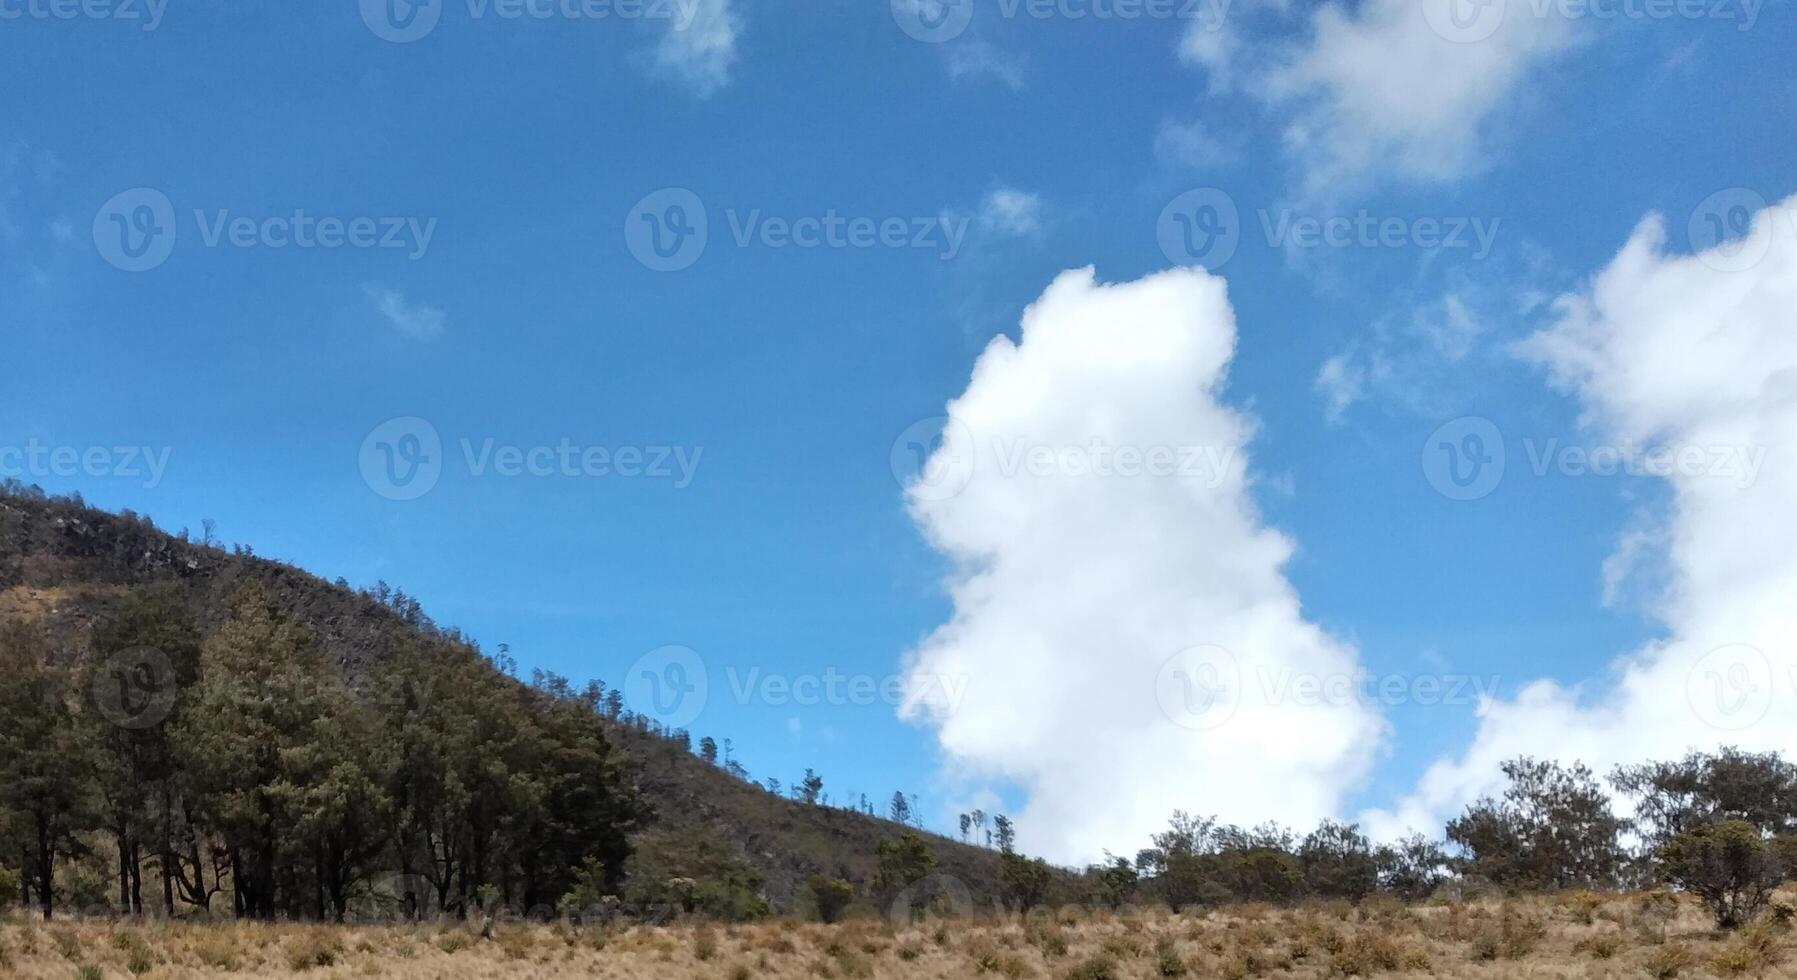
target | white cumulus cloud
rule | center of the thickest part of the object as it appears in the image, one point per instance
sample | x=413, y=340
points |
x=1091, y=493
x=1696, y=354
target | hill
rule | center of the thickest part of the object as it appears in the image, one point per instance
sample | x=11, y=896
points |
x=71, y=569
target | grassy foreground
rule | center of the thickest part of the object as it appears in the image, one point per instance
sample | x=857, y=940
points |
x=1577, y=935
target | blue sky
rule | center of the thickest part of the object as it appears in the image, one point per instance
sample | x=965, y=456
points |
x=527, y=145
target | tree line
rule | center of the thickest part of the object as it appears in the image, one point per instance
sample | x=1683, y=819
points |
x=244, y=769
x=1720, y=825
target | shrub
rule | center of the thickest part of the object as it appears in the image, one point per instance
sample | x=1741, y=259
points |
x=1727, y=864
x=313, y=949
x=1099, y=967
x=1667, y=961
x=832, y=896
x=1166, y=960
x=1603, y=946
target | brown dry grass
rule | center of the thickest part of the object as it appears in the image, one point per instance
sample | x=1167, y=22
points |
x=1576, y=937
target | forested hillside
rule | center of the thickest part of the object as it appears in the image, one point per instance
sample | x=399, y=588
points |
x=286, y=746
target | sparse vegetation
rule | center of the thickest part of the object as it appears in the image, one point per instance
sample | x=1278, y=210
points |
x=1475, y=939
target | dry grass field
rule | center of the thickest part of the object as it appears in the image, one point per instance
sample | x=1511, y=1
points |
x=1576, y=935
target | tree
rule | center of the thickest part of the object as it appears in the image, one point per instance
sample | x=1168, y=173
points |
x=1338, y=862
x=262, y=680
x=1552, y=829
x=708, y=749
x=1116, y=880
x=832, y=896
x=902, y=862
x=148, y=657
x=1412, y=868
x=1760, y=788
x=1023, y=882
x=47, y=761
x=810, y=788
x=900, y=809
x=1728, y=864
x=966, y=822
x=1007, y=833
x=1181, y=862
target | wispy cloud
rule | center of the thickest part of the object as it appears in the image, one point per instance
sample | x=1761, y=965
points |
x=1012, y=213
x=412, y=319
x=975, y=58
x=699, y=53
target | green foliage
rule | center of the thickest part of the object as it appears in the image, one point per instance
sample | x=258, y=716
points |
x=1338, y=862
x=694, y=874
x=44, y=746
x=831, y=896
x=1116, y=880
x=1552, y=829
x=1023, y=882
x=1673, y=796
x=902, y=862
x=1728, y=864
